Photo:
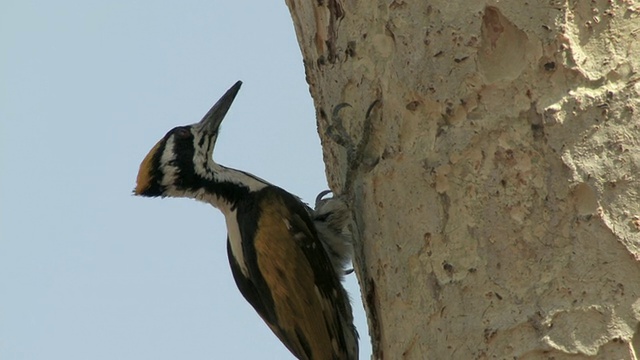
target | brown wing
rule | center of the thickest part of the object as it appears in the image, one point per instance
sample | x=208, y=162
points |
x=307, y=318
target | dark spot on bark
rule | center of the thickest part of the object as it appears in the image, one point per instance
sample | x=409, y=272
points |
x=412, y=106
x=351, y=49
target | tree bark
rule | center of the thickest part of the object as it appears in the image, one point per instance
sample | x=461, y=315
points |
x=490, y=152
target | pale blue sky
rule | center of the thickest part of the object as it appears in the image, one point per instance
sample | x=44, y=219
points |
x=87, y=271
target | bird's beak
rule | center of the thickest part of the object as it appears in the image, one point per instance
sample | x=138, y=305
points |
x=211, y=121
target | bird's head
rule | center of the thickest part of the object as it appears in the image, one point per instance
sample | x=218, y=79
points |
x=182, y=160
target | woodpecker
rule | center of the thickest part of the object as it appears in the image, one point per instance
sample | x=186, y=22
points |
x=278, y=261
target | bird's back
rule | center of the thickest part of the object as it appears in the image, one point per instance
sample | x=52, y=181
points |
x=292, y=284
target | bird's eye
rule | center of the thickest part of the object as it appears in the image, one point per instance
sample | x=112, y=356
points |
x=182, y=132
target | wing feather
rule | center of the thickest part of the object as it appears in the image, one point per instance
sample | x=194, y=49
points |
x=309, y=302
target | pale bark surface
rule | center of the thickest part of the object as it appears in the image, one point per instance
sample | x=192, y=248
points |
x=495, y=184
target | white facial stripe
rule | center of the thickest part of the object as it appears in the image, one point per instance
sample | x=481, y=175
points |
x=201, y=154
x=168, y=155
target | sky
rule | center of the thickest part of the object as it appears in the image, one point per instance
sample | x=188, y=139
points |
x=87, y=270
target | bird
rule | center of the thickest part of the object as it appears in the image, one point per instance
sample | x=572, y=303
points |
x=278, y=260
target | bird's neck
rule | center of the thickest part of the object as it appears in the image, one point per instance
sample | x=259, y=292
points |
x=224, y=187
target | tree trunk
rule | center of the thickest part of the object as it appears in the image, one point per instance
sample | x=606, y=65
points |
x=491, y=156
